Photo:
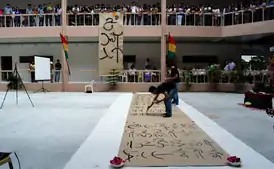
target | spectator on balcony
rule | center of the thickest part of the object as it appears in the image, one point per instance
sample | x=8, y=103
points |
x=1, y=18
x=147, y=64
x=148, y=76
x=236, y=16
x=134, y=10
x=139, y=15
x=41, y=16
x=58, y=14
x=155, y=75
x=271, y=10
x=170, y=19
x=181, y=14
x=8, y=11
x=79, y=17
x=97, y=10
x=146, y=20
x=132, y=74
x=74, y=18
x=189, y=11
x=230, y=66
x=155, y=16
x=49, y=16
x=89, y=11
x=217, y=17
x=208, y=15
x=17, y=19
x=29, y=20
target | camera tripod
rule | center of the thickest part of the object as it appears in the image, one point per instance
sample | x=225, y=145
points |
x=16, y=86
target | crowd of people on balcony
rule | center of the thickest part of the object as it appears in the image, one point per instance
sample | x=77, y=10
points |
x=139, y=14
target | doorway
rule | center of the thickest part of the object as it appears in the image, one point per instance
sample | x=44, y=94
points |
x=6, y=67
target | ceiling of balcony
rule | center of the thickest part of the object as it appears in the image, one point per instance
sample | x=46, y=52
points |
x=259, y=39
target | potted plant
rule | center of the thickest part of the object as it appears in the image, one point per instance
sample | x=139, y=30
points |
x=238, y=80
x=188, y=84
x=113, y=79
x=15, y=82
x=214, y=75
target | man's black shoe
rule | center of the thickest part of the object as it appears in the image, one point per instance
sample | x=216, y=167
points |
x=166, y=115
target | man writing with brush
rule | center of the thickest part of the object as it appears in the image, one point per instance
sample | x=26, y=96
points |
x=169, y=90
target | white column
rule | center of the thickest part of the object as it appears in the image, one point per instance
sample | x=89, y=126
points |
x=63, y=31
x=163, y=40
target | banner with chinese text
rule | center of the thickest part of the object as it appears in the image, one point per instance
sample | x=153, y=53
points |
x=110, y=42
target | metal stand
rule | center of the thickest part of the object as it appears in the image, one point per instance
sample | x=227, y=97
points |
x=42, y=89
x=17, y=76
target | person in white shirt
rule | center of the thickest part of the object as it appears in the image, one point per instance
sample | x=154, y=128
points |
x=230, y=66
x=138, y=15
x=180, y=15
x=169, y=18
x=124, y=10
x=217, y=16
x=237, y=16
x=134, y=10
x=76, y=17
x=132, y=74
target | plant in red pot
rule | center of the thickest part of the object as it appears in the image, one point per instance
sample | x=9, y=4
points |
x=117, y=162
x=234, y=161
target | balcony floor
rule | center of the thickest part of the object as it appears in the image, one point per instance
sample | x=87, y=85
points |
x=59, y=129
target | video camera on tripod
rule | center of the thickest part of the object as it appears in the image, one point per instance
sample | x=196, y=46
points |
x=15, y=84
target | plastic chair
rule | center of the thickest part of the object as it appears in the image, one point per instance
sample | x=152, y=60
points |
x=89, y=87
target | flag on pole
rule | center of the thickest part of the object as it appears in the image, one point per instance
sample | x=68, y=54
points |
x=65, y=48
x=171, y=47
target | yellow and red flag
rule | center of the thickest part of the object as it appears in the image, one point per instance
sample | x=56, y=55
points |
x=64, y=41
x=171, y=47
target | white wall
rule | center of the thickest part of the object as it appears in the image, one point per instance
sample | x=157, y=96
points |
x=84, y=56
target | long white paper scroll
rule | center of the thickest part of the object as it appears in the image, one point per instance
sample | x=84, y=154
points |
x=110, y=42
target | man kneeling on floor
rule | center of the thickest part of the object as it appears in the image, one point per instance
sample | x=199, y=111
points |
x=169, y=90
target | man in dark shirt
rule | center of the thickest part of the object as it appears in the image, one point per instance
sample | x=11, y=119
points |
x=168, y=89
x=175, y=77
x=58, y=68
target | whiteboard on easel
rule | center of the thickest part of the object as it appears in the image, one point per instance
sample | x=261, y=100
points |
x=42, y=68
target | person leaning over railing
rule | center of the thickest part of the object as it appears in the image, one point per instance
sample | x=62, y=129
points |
x=17, y=18
x=29, y=20
x=58, y=13
x=8, y=13
x=1, y=18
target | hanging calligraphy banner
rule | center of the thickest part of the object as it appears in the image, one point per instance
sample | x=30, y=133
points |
x=110, y=42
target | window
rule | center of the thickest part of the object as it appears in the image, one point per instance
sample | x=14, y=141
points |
x=29, y=59
x=129, y=58
x=6, y=67
x=26, y=59
x=50, y=57
x=200, y=59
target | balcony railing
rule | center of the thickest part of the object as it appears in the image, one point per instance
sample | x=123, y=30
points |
x=56, y=76
x=30, y=20
x=143, y=19
x=154, y=76
x=199, y=76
